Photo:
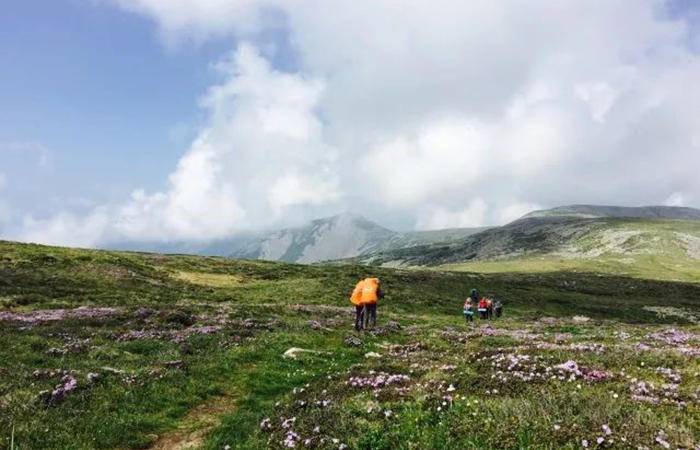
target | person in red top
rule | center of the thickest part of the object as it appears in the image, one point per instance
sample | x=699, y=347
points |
x=483, y=308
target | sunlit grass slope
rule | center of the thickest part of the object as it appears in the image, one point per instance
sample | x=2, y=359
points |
x=127, y=350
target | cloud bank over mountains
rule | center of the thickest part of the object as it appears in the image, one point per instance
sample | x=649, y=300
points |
x=437, y=114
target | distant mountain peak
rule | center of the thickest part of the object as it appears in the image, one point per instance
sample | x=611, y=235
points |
x=602, y=211
x=344, y=235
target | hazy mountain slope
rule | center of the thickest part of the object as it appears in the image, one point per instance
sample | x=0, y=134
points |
x=642, y=248
x=219, y=247
x=322, y=239
x=353, y=236
x=625, y=240
x=598, y=211
x=338, y=237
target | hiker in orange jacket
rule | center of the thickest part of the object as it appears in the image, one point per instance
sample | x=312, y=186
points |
x=356, y=300
x=365, y=296
x=371, y=293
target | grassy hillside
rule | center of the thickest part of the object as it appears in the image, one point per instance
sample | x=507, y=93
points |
x=645, y=248
x=653, y=249
x=125, y=350
x=639, y=212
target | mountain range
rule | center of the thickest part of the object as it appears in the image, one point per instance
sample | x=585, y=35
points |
x=573, y=232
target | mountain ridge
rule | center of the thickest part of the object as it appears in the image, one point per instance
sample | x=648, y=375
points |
x=339, y=237
x=349, y=235
x=600, y=211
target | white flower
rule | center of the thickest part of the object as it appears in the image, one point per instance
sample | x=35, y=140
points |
x=584, y=443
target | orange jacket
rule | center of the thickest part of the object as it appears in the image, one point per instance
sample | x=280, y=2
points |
x=356, y=297
x=370, y=291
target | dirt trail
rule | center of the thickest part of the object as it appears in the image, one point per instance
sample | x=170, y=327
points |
x=195, y=427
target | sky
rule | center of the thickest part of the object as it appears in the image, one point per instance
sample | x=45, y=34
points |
x=165, y=120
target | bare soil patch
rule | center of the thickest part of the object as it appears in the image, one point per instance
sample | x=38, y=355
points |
x=195, y=427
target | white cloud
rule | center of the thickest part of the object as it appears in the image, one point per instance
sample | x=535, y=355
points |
x=515, y=211
x=439, y=113
x=474, y=215
x=260, y=153
x=293, y=189
x=444, y=155
x=67, y=229
x=676, y=199
x=41, y=155
x=599, y=97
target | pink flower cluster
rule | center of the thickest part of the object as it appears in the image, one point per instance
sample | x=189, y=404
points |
x=52, y=315
x=67, y=385
x=173, y=335
x=528, y=368
x=668, y=392
x=378, y=380
x=577, y=347
x=671, y=336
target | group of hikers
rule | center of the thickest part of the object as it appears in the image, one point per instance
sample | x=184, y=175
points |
x=486, y=307
x=368, y=291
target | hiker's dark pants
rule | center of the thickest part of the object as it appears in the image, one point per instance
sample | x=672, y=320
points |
x=499, y=311
x=469, y=317
x=370, y=314
x=359, y=315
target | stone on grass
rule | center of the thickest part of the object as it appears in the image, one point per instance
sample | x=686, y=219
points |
x=293, y=352
x=352, y=341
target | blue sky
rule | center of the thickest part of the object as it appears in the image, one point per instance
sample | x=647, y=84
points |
x=143, y=119
x=97, y=88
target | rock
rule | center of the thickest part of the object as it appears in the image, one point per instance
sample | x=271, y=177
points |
x=93, y=377
x=181, y=318
x=143, y=313
x=315, y=325
x=580, y=319
x=372, y=355
x=293, y=352
x=379, y=331
x=393, y=325
x=177, y=364
x=352, y=341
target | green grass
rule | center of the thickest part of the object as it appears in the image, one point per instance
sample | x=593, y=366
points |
x=643, y=267
x=646, y=249
x=170, y=377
